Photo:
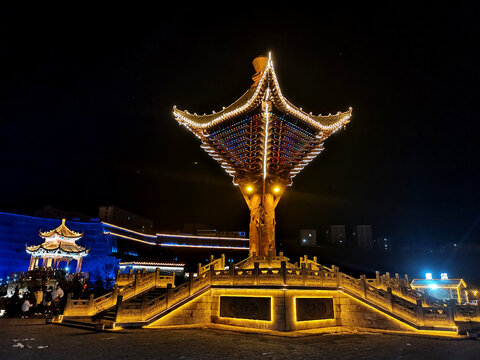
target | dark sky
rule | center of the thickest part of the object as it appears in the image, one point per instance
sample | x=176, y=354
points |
x=87, y=96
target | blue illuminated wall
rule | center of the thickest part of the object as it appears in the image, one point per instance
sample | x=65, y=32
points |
x=110, y=244
x=18, y=230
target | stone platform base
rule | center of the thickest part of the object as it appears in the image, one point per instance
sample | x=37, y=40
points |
x=282, y=310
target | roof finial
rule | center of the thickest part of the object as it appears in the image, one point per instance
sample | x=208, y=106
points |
x=260, y=63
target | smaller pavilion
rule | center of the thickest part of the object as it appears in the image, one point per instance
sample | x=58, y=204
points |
x=59, y=245
x=443, y=289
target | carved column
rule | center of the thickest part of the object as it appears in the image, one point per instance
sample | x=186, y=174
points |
x=262, y=206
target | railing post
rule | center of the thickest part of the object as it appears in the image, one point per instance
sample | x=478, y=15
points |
x=283, y=264
x=144, y=306
x=304, y=274
x=255, y=272
x=137, y=281
x=231, y=270
x=223, y=262
x=451, y=308
x=190, y=284
x=118, y=275
x=91, y=304
x=420, y=315
x=389, y=299
x=364, y=286
x=338, y=275
x=424, y=299
x=168, y=295
x=130, y=275
x=115, y=293
x=378, y=278
x=212, y=273
x=68, y=304
x=118, y=306
x=199, y=268
x=157, y=277
x=402, y=287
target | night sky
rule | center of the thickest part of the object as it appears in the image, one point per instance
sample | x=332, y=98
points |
x=86, y=99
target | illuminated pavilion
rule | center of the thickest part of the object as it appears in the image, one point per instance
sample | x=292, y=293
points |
x=59, y=245
x=263, y=141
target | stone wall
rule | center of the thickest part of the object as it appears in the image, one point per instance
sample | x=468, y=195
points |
x=347, y=311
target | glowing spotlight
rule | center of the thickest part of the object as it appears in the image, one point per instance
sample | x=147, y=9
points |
x=276, y=189
x=249, y=188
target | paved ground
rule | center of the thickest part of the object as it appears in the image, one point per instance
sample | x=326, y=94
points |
x=32, y=339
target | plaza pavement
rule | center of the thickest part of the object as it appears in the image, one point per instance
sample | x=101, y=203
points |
x=33, y=339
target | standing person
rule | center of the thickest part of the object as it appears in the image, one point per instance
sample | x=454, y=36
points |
x=57, y=295
x=26, y=305
x=47, y=300
x=38, y=300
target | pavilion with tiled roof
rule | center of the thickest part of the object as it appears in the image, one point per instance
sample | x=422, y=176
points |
x=263, y=142
x=59, y=245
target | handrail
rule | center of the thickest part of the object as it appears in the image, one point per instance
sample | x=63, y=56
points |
x=400, y=300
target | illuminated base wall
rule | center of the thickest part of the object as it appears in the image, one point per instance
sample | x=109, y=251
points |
x=279, y=310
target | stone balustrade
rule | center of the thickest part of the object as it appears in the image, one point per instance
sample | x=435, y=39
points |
x=130, y=285
x=392, y=295
x=217, y=264
x=310, y=274
x=140, y=312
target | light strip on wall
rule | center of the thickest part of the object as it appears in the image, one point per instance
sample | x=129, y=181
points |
x=130, y=238
x=201, y=237
x=131, y=231
x=204, y=246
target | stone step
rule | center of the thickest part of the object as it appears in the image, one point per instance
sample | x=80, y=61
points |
x=78, y=324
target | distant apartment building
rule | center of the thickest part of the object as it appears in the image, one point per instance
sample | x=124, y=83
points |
x=336, y=235
x=308, y=237
x=120, y=217
x=362, y=236
x=51, y=212
x=382, y=243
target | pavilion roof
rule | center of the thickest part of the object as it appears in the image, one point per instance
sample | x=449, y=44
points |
x=57, y=245
x=62, y=231
x=262, y=132
x=252, y=98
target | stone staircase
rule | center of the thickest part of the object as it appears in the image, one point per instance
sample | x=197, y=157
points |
x=391, y=297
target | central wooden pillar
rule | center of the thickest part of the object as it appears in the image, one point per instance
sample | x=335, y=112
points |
x=262, y=218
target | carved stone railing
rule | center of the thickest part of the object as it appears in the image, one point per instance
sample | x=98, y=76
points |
x=142, y=281
x=401, y=287
x=398, y=299
x=218, y=264
x=270, y=261
x=145, y=310
x=467, y=313
x=313, y=264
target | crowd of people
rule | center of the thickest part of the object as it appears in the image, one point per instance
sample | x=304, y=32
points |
x=41, y=300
